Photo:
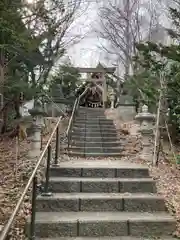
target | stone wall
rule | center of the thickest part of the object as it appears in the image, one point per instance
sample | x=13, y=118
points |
x=126, y=112
x=121, y=113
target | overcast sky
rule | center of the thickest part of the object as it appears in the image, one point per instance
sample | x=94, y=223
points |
x=87, y=53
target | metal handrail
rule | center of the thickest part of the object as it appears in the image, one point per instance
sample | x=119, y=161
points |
x=31, y=180
x=76, y=104
x=72, y=116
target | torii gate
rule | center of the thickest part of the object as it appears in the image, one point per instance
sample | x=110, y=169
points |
x=100, y=82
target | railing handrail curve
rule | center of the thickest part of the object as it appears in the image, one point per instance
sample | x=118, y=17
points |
x=8, y=225
x=72, y=115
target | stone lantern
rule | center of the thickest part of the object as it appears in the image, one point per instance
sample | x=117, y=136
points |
x=146, y=120
x=112, y=99
x=37, y=114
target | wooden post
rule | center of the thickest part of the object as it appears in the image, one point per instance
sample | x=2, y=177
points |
x=157, y=133
x=104, y=90
x=1, y=107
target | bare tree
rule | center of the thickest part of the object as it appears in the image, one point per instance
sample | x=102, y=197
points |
x=120, y=27
x=49, y=22
x=123, y=24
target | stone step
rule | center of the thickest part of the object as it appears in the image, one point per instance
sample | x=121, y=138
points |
x=86, y=144
x=85, y=149
x=90, y=122
x=62, y=202
x=94, y=134
x=95, y=119
x=99, y=168
x=94, y=154
x=98, y=113
x=87, y=109
x=103, y=122
x=94, y=138
x=90, y=114
x=93, y=113
x=93, y=185
x=109, y=238
x=93, y=128
x=91, y=117
x=97, y=144
x=89, y=125
x=97, y=129
x=96, y=224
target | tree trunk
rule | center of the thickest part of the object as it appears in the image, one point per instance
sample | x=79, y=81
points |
x=127, y=36
x=5, y=115
x=17, y=108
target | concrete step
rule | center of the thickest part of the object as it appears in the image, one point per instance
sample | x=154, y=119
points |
x=110, y=238
x=84, y=143
x=89, y=110
x=95, y=126
x=96, y=224
x=97, y=144
x=94, y=138
x=92, y=122
x=62, y=202
x=95, y=149
x=97, y=129
x=92, y=117
x=94, y=154
x=92, y=113
x=99, y=168
x=94, y=134
x=93, y=185
x=95, y=119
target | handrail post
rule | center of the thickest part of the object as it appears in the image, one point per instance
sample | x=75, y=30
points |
x=77, y=106
x=46, y=186
x=68, y=138
x=41, y=140
x=33, y=214
x=57, y=147
x=70, y=122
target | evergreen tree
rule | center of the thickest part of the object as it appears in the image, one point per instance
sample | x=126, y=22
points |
x=152, y=61
x=68, y=77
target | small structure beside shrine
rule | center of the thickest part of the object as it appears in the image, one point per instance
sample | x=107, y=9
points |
x=126, y=108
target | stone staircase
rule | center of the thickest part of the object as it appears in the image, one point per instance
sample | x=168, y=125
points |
x=93, y=135
x=101, y=199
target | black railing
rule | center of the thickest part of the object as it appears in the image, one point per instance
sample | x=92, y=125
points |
x=33, y=182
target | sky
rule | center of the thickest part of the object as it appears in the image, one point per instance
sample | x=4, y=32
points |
x=88, y=52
